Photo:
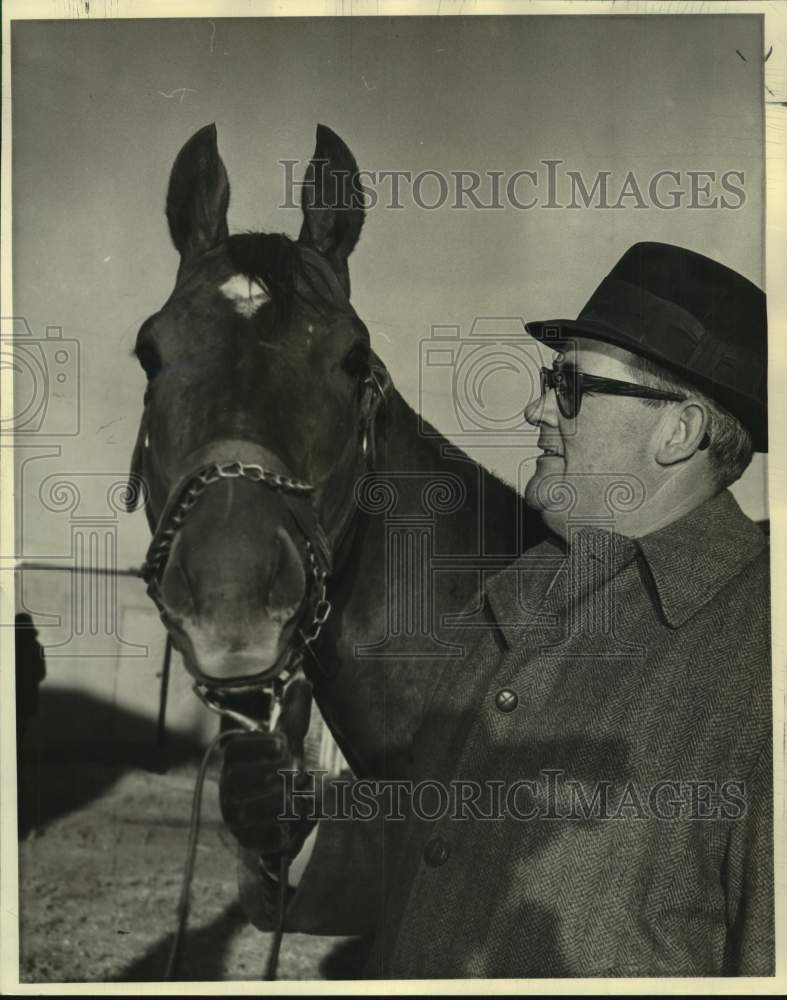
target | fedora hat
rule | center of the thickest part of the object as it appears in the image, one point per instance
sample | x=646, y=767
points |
x=689, y=314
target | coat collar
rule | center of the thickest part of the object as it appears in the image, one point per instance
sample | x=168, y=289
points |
x=693, y=558
x=687, y=561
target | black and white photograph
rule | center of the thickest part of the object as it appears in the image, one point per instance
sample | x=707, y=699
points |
x=393, y=484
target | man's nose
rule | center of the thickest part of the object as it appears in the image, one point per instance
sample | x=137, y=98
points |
x=542, y=410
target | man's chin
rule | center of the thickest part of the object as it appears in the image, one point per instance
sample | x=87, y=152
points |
x=550, y=493
x=549, y=489
x=532, y=498
x=556, y=521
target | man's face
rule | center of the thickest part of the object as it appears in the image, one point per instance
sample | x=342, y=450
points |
x=601, y=462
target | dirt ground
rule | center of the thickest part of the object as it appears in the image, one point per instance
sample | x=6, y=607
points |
x=101, y=859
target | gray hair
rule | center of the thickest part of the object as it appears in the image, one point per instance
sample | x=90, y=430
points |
x=731, y=447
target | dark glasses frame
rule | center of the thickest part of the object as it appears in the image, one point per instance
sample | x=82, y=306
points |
x=570, y=384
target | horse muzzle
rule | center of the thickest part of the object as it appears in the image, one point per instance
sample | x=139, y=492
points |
x=240, y=599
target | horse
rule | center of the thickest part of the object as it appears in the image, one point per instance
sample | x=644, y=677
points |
x=302, y=513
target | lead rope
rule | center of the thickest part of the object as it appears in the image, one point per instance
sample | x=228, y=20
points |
x=272, y=963
x=184, y=902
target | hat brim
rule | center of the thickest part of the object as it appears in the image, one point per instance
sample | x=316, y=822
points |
x=558, y=333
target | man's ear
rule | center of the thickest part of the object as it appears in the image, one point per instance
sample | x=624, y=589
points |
x=683, y=432
x=332, y=203
x=198, y=196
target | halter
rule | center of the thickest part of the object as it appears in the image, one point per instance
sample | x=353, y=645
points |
x=298, y=496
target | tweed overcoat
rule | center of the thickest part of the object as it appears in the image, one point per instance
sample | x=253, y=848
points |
x=589, y=789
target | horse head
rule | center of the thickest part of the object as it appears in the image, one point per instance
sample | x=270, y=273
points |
x=261, y=390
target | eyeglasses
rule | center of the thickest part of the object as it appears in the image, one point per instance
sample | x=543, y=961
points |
x=570, y=384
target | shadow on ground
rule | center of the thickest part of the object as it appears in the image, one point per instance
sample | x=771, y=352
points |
x=206, y=953
x=55, y=780
x=105, y=816
x=204, y=950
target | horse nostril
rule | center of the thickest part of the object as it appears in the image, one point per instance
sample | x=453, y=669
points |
x=288, y=583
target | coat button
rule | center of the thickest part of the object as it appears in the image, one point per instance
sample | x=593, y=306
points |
x=506, y=700
x=436, y=852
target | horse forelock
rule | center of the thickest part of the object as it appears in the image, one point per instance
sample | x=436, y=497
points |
x=283, y=265
x=271, y=257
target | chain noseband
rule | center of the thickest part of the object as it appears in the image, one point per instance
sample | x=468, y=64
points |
x=298, y=496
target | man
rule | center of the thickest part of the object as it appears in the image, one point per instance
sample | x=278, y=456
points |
x=30, y=669
x=592, y=782
x=30, y=672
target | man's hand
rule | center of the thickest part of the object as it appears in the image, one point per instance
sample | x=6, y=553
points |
x=252, y=791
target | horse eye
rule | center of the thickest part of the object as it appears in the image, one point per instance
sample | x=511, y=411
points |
x=148, y=357
x=357, y=358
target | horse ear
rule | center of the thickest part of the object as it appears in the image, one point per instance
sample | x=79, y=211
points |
x=198, y=196
x=332, y=201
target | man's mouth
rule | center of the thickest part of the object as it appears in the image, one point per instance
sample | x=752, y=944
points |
x=550, y=452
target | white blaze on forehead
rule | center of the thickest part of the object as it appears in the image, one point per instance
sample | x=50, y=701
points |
x=246, y=294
